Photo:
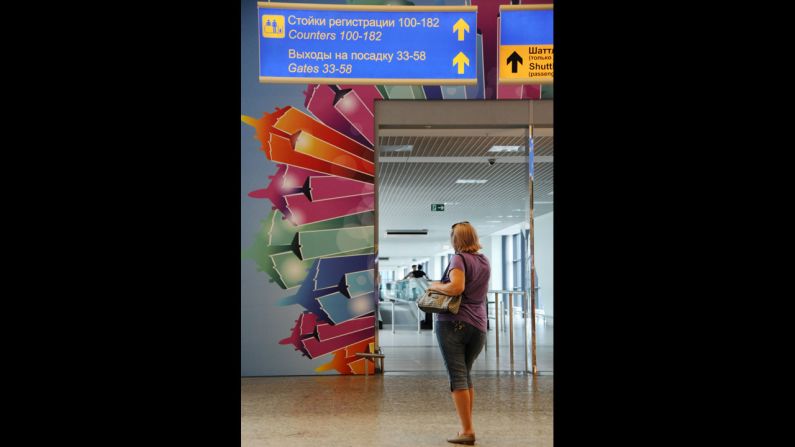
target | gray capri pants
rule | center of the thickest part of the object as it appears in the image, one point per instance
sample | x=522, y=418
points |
x=460, y=343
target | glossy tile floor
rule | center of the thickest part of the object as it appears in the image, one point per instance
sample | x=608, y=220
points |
x=410, y=405
x=396, y=409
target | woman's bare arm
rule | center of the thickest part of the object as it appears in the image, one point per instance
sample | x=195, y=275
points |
x=452, y=288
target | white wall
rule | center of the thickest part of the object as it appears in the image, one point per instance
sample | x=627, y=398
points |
x=544, y=260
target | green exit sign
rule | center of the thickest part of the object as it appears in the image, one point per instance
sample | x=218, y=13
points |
x=437, y=207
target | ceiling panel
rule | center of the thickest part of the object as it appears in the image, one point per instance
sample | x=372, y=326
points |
x=452, y=146
x=542, y=146
x=407, y=187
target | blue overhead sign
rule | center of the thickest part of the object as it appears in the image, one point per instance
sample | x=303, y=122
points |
x=339, y=44
x=526, y=26
x=526, y=54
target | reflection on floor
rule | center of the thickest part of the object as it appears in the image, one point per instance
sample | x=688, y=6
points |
x=407, y=350
x=408, y=409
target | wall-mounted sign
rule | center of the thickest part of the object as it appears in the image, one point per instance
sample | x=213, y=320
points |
x=526, y=44
x=437, y=207
x=358, y=44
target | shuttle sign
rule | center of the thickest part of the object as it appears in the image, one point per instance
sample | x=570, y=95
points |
x=526, y=49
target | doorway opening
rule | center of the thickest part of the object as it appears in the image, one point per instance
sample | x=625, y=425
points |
x=442, y=162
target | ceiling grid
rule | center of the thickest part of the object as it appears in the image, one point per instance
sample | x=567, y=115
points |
x=407, y=186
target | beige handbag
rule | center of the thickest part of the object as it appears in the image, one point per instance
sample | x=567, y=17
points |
x=437, y=302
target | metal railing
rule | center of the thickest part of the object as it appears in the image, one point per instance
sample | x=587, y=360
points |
x=412, y=303
x=528, y=311
x=499, y=296
x=407, y=291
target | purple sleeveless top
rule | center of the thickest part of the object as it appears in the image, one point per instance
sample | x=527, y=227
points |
x=476, y=286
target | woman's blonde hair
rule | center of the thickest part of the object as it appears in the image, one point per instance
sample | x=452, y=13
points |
x=464, y=238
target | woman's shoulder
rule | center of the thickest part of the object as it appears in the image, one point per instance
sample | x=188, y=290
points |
x=480, y=257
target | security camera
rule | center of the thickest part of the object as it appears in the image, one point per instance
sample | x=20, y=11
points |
x=491, y=161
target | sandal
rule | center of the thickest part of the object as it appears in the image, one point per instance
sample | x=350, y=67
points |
x=462, y=439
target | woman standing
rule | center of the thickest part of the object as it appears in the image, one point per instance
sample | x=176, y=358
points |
x=461, y=336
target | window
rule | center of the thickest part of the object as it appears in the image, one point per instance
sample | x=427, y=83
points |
x=526, y=259
x=507, y=268
x=516, y=261
x=519, y=265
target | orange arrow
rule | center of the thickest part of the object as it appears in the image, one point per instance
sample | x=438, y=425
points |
x=461, y=59
x=461, y=26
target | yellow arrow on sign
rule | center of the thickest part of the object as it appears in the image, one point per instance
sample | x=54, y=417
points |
x=461, y=26
x=461, y=59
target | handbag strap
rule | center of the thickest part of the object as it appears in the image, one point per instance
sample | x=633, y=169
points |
x=446, y=270
x=464, y=260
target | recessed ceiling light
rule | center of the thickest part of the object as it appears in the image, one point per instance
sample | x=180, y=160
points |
x=494, y=221
x=517, y=210
x=397, y=148
x=505, y=149
x=469, y=181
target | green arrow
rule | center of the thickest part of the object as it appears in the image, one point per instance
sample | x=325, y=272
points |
x=324, y=243
x=461, y=59
x=461, y=26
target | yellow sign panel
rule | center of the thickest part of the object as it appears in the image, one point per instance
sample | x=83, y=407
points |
x=526, y=64
x=273, y=26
